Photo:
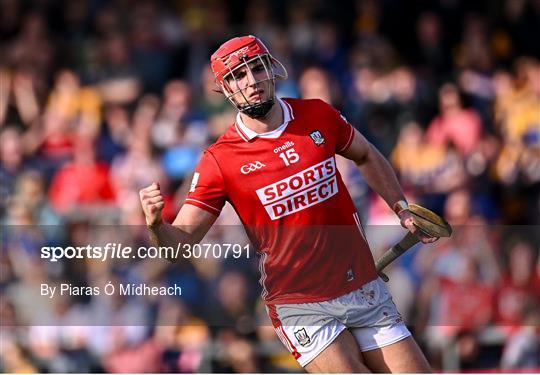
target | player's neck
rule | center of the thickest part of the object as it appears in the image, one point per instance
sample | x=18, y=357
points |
x=272, y=120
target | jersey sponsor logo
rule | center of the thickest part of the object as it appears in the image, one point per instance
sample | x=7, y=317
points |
x=251, y=167
x=194, y=182
x=317, y=137
x=302, y=337
x=304, y=189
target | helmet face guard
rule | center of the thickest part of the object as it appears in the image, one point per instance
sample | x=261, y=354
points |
x=247, y=56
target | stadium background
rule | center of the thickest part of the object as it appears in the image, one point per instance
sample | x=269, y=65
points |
x=100, y=98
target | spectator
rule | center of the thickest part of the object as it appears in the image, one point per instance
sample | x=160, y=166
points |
x=82, y=182
x=519, y=287
x=32, y=50
x=462, y=309
x=517, y=110
x=31, y=189
x=455, y=125
x=522, y=350
x=426, y=166
x=314, y=83
x=136, y=168
x=12, y=161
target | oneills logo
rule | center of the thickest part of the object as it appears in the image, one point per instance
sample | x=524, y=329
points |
x=301, y=190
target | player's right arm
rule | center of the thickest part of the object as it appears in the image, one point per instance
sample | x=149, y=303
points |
x=203, y=205
x=190, y=226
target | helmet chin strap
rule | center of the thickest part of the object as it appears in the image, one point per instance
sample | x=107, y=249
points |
x=258, y=110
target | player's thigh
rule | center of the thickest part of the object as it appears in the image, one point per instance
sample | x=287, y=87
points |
x=341, y=356
x=403, y=356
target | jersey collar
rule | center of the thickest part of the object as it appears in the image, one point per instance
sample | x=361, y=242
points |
x=247, y=134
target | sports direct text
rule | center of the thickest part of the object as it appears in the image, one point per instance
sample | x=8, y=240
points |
x=301, y=190
x=119, y=251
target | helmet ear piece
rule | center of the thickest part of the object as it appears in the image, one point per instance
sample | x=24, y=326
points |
x=276, y=63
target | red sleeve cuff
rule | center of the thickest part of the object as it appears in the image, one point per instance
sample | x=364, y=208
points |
x=349, y=140
x=204, y=206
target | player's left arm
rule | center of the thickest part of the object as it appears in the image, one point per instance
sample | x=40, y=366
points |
x=375, y=168
x=380, y=176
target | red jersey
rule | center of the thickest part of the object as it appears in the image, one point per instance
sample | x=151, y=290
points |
x=286, y=189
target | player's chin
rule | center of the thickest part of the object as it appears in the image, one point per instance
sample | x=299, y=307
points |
x=255, y=101
x=251, y=100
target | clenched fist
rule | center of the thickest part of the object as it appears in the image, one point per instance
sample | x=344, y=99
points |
x=152, y=203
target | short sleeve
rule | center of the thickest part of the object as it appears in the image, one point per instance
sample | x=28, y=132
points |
x=207, y=190
x=344, y=134
x=343, y=130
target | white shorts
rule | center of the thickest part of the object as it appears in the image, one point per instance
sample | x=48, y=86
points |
x=306, y=329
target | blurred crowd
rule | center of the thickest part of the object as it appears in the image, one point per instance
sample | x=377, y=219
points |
x=99, y=99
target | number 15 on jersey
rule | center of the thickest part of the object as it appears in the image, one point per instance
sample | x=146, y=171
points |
x=289, y=156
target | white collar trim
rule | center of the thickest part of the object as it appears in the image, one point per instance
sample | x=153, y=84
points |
x=247, y=134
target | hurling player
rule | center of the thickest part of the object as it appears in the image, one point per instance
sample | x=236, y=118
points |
x=276, y=166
